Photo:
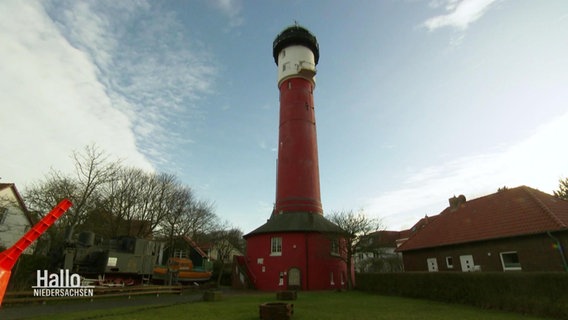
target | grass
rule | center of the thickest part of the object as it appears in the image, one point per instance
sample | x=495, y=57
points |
x=310, y=305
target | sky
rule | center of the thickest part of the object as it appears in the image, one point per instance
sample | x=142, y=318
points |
x=416, y=101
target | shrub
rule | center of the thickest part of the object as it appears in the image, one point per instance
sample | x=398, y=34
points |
x=24, y=272
x=541, y=294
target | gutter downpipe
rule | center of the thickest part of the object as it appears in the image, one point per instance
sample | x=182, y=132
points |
x=560, y=250
x=307, y=277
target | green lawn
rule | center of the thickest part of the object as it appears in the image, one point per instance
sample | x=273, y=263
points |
x=310, y=305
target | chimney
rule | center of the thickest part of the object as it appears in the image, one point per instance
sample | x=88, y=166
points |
x=456, y=202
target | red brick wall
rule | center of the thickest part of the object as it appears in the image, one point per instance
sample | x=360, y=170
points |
x=309, y=252
x=536, y=253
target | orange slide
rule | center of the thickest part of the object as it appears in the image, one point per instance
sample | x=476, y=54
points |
x=9, y=257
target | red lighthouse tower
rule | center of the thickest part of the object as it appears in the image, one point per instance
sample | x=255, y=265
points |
x=297, y=248
x=296, y=52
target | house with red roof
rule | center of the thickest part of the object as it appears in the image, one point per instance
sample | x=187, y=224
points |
x=376, y=252
x=516, y=229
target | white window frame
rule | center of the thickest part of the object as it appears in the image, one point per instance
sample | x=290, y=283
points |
x=276, y=246
x=432, y=264
x=334, y=247
x=3, y=214
x=450, y=262
x=510, y=268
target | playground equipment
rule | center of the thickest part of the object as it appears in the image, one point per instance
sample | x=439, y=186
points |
x=9, y=257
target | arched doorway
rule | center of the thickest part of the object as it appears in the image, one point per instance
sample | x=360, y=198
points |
x=294, y=279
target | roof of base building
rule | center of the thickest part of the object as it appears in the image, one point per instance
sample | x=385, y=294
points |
x=297, y=222
x=507, y=213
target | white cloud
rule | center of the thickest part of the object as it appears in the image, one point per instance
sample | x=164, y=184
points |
x=231, y=9
x=538, y=162
x=460, y=13
x=71, y=75
x=52, y=102
x=152, y=70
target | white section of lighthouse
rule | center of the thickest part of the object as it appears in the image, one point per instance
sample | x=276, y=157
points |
x=296, y=61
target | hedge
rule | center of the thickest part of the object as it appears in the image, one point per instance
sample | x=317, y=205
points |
x=541, y=294
x=24, y=272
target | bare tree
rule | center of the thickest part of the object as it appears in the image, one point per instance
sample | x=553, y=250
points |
x=42, y=196
x=119, y=203
x=92, y=169
x=174, y=224
x=201, y=220
x=562, y=191
x=160, y=195
x=185, y=216
x=139, y=203
x=225, y=242
x=356, y=227
x=114, y=200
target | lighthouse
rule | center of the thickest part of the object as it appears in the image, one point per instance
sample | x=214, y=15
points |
x=297, y=248
x=296, y=53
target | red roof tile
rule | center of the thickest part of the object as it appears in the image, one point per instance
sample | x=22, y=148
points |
x=507, y=213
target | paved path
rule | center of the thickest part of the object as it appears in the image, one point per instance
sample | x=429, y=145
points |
x=35, y=310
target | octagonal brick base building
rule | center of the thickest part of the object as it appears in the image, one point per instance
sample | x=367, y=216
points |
x=296, y=251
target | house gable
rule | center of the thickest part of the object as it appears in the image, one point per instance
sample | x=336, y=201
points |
x=15, y=219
